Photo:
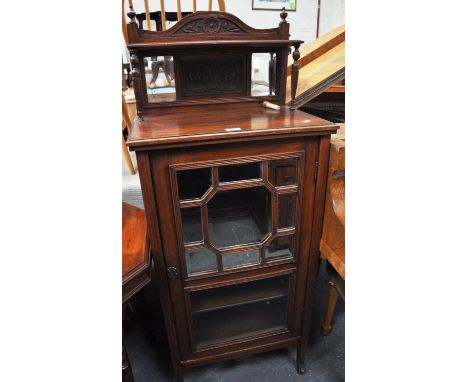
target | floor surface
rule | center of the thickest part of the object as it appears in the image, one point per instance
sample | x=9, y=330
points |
x=324, y=361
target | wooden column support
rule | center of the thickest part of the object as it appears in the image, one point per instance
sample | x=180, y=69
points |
x=136, y=83
x=295, y=73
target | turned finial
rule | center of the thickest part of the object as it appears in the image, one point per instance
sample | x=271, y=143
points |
x=131, y=14
x=283, y=15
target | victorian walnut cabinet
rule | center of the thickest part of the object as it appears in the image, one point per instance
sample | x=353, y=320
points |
x=233, y=190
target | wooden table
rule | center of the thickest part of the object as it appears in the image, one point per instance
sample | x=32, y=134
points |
x=136, y=261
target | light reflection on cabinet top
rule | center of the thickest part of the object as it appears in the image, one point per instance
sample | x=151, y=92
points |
x=193, y=125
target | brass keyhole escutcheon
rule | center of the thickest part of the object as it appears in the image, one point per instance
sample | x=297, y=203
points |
x=172, y=273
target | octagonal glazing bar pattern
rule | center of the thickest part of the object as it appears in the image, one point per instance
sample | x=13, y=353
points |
x=240, y=213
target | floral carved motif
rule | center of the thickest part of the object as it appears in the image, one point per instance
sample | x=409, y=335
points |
x=213, y=76
x=211, y=25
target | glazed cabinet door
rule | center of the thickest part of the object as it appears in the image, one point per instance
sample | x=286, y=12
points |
x=231, y=218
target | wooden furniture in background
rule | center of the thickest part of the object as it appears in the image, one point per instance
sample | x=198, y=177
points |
x=126, y=123
x=135, y=251
x=157, y=17
x=233, y=191
x=322, y=66
x=332, y=244
x=136, y=261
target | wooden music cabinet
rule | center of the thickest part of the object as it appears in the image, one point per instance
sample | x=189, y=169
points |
x=233, y=191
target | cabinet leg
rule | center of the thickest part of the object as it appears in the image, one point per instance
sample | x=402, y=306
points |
x=301, y=368
x=127, y=374
x=300, y=361
x=178, y=376
x=332, y=297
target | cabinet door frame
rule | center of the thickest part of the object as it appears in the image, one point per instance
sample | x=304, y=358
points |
x=215, y=187
x=161, y=162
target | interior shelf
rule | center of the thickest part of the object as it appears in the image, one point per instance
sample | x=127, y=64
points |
x=240, y=321
x=239, y=294
x=229, y=227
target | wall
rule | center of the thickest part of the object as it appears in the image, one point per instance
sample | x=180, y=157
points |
x=303, y=21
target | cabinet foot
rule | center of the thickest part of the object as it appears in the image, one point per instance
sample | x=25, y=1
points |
x=301, y=368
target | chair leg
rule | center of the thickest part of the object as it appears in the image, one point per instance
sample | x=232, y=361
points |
x=127, y=157
x=332, y=297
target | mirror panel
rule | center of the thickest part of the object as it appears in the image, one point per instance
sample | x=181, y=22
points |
x=263, y=76
x=160, y=79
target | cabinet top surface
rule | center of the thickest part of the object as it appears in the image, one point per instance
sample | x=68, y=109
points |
x=174, y=126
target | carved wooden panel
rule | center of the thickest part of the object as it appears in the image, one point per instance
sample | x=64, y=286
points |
x=214, y=75
x=211, y=25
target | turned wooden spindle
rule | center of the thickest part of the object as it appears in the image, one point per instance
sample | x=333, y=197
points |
x=131, y=13
x=283, y=15
x=136, y=83
x=295, y=73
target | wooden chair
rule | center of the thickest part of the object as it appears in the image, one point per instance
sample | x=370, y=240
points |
x=126, y=123
x=332, y=244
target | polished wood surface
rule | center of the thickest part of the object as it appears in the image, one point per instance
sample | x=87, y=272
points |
x=135, y=251
x=234, y=121
x=133, y=238
x=332, y=245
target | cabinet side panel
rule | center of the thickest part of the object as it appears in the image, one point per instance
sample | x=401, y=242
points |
x=159, y=162
x=314, y=256
x=306, y=208
x=144, y=170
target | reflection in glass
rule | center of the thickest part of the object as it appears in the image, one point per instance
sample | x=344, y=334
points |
x=159, y=78
x=237, y=259
x=239, y=216
x=191, y=224
x=282, y=172
x=239, y=172
x=263, y=81
x=286, y=210
x=200, y=260
x=239, y=310
x=280, y=247
x=193, y=183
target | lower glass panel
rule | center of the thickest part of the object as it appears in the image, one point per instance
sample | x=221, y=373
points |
x=236, y=311
x=237, y=259
x=200, y=260
x=280, y=247
x=191, y=224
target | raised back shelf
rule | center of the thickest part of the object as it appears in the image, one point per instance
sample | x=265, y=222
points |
x=209, y=58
